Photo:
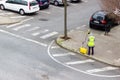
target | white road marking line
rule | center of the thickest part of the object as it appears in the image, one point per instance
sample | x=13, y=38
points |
x=83, y=26
x=2, y=14
x=8, y=13
x=80, y=62
x=18, y=17
x=84, y=0
x=37, y=33
x=27, y=39
x=53, y=47
x=72, y=30
x=48, y=35
x=76, y=69
x=20, y=27
x=10, y=26
x=32, y=29
x=101, y=69
x=63, y=54
x=45, y=12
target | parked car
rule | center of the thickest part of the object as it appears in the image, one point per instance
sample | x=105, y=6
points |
x=21, y=6
x=102, y=18
x=57, y=2
x=43, y=3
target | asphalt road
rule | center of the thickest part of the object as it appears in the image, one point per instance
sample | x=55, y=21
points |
x=28, y=50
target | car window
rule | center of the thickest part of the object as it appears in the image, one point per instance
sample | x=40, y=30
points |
x=23, y=2
x=33, y=3
x=10, y=1
x=98, y=16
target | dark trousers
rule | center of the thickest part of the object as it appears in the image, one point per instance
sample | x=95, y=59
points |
x=90, y=50
x=107, y=29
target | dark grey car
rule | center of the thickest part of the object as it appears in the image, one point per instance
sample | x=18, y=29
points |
x=56, y=2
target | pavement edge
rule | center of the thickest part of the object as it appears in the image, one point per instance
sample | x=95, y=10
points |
x=60, y=42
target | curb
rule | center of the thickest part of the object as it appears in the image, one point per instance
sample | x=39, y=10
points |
x=7, y=20
x=59, y=43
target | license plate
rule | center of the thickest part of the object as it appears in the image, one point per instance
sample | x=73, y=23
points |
x=96, y=22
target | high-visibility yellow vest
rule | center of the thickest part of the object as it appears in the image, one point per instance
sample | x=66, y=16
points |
x=91, y=41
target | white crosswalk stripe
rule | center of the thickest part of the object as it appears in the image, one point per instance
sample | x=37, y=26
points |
x=101, y=69
x=20, y=27
x=63, y=54
x=32, y=29
x=13, y=25
x=39, y=32
x=18, y=17
x=48, y=35
x=84, y=0
x=80, y=62
x=7, y=13
x=83, y=26
x=1, y=14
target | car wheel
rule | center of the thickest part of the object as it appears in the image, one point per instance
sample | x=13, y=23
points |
x=56, y=3
x=2, y=7
x=22, y=12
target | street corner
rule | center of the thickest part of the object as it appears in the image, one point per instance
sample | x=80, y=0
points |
x=10, y=18
x=67, y=44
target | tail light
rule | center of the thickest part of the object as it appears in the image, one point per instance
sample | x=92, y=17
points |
x=103, y=22
x=91, y=19
x=40, y=3
x=29, y=6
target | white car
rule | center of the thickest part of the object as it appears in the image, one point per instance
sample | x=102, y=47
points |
x=21, y=6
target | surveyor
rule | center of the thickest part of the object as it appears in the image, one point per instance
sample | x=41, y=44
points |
x=91, y=44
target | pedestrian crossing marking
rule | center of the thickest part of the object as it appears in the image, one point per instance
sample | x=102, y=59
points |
x=6, y=13
x=63, y=54
x=20, y=27
x=80, y=62
x=102, y=69
x=18, y=17
x=32, y=29
x=10, y=26
x=48, y=35
x=83, y=26
x=37, y=33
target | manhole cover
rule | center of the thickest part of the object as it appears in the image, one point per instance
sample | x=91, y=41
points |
x=42, y=19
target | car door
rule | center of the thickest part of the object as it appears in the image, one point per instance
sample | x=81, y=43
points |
x=9, y=4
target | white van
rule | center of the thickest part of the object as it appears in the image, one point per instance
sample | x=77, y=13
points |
x=21, y=6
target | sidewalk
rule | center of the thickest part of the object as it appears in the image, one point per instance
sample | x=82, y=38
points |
x=106, y=47
x=6, y=18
